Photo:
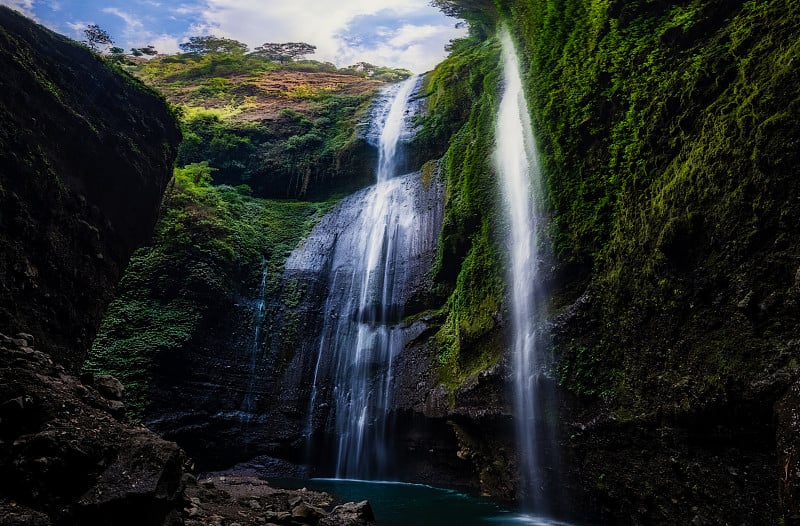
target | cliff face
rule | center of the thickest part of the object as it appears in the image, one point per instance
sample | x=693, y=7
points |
x=667, y=133
x=85, y=155
x=668, y=137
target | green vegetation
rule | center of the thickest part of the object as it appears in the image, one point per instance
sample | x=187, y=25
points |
x=462, y=100
x=286, y=130
x=252, y=128
x=667, y=136
x=656, y=121
x=209, y=246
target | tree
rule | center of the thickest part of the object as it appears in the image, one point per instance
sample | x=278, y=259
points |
x=96, y=38
x=140, y=51
x=364, y=68
x=210, y=44
x=117, y=54
x=286, y=52
x=480, y=14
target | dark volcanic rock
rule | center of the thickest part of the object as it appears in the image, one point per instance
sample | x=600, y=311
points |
x=246, y=500
x=109, y=387
x=787, y=412
x=350, y=514
x=65, y=458
x=85, y=154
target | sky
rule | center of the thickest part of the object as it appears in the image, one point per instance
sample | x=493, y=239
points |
x=397, y=33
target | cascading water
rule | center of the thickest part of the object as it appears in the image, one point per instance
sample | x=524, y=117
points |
x=517, y=163
x=259, y=310
x=369, y=269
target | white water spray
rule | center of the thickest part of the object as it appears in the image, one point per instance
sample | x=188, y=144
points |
x=517, y=164
x=368, y=272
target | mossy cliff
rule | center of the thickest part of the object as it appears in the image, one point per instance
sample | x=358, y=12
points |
x=668, y=134
x=85, y=153
x=82, y=170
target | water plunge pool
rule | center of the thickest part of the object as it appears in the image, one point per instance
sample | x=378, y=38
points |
x=403, y=504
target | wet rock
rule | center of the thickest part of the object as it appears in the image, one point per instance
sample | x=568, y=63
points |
x=350, y=514
x=96, y=121
x=27, y=337
x=787, y=415
x=306, y=514
x=69, y=460
x=14, y=514
x=146, y=469
x=109, y=387
x=87, y=378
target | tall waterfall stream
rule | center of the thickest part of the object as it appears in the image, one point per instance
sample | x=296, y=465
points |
x=370, y=249
x=517, y=164
x=368, y=274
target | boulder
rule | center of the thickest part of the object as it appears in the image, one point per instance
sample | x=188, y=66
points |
x=147, y=470
x=307, y=514
x=109, y=387
x=350, y=514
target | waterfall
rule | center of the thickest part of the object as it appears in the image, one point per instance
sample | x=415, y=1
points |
x=517, y=164
x=369, y=269
x=259, y=310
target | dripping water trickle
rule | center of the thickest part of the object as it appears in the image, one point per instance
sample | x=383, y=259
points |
x=259, y=311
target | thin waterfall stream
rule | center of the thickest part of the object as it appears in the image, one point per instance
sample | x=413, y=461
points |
x=259, y=311
x=517, y=163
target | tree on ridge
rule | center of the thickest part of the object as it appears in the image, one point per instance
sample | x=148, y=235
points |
x=97, y=38
x=285, y=52
x=210, y=44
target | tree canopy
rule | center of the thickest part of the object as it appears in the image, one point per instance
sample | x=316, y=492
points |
x=97, y=38
x=285, y=52
x=210, y=44
x=147, y=50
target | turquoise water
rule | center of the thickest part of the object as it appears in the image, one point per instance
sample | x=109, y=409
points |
x=401, y=504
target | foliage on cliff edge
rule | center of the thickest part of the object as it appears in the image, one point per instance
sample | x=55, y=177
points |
x=669, y=135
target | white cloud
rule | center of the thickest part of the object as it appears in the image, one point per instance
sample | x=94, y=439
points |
x=132, y=24
x=255, y=22
x=415, y=47
x=164, y=44
x=77, y=26
x=135, y=33
x=23, y=6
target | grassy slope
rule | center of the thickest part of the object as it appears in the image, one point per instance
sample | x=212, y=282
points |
x=285, y=130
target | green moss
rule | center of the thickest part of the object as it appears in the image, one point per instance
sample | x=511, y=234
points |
x=654, y=120
x=667, y=137
x=210, y=242
x=462, y=100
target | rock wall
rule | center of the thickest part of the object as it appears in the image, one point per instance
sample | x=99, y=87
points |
x=254, y=400
x=85, y=154
x=667, y=140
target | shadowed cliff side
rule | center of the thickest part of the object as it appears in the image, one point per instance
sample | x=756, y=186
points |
x=85, y=154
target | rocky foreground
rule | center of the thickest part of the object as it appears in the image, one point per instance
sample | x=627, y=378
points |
x=67, y=456
x=243, y=500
